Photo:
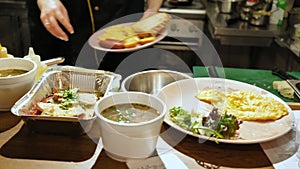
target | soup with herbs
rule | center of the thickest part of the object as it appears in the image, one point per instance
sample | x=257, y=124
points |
x=11, y=72
x=130, y=113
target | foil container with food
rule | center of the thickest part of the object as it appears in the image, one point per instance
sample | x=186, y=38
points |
x=62, y=101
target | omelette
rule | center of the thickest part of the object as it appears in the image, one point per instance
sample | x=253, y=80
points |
x=245, y=105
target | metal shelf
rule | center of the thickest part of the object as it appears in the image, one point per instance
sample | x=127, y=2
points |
x=287, y=42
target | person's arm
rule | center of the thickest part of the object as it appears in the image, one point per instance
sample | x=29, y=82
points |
x=54, y=12
x=152, y=7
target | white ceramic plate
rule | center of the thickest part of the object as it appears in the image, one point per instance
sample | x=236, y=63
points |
x=94, y=42
x=182, y=93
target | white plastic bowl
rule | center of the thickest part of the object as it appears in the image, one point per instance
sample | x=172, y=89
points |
x=127, y=141
x=14, y=87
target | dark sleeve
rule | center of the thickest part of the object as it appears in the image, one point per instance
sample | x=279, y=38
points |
x=111, y=10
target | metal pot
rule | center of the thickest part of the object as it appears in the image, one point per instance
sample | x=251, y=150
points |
x=228, y=6
x=245, y=9
x=259, y=18
x=180, y=2
x=260, y=14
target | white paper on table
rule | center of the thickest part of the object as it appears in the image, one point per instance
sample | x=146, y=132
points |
x=283, y=152
x=166, y=159
x=290, y=163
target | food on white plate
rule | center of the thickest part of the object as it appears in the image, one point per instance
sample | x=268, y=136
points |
x=146, y=40
x=66, y=103
x=139, y=33
x=118, y=32
x=131, y=42
x=245, y=105
x=153, y=24
x=119, y=37
x=215, y=124
x=111, y=44
x=284, y=89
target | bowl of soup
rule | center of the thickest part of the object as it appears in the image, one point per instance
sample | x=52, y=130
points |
x=16, y=79
x=130, y=123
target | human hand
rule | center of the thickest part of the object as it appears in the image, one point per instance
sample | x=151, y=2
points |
x=152, y=8
x=148, y=13
x=53, y=12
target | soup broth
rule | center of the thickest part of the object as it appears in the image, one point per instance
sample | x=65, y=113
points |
x=11, y=72
x=130, y=113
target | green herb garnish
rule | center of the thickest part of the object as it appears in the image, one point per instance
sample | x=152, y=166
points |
x=215, y=125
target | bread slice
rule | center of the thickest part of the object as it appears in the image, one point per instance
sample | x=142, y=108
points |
x=118, y=32
x=153, y=24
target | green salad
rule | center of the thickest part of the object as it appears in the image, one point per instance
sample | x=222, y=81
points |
x=221, y=126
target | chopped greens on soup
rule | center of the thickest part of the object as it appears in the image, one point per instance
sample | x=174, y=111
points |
x=11, y=72
x=130, y=113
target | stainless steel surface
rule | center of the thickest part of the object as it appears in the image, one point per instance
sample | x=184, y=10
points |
x=295, y=84
x=228, y=6
x=185, y=34
x=180, y=2
x=287, y=42
x=240, y=33
x=183, y=11
x=195, y=10
x=185, y=30
x=91, y=81
x=151, y=81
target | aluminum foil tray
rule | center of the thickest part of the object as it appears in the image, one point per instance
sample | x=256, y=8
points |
x=65, y=77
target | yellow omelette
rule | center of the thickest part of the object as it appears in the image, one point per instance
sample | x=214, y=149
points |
x=245, y=105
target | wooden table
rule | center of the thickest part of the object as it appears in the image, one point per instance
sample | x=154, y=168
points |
x=22, y=148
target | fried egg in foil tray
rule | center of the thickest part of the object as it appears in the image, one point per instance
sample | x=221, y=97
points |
x=62, y=101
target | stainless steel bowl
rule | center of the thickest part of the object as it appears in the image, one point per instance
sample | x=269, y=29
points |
x=151, y=81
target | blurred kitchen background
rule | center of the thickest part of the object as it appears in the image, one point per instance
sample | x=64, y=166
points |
x=260, y=34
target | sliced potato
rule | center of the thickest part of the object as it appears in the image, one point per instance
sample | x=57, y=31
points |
x=131, y=42
x=147, y=40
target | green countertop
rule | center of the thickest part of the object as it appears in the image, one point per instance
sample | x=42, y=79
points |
x=260, y=78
